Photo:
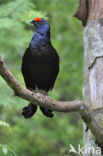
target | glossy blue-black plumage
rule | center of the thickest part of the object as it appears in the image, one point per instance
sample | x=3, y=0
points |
x=40, y=63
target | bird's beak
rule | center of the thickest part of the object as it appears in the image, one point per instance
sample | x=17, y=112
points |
x=32, y=21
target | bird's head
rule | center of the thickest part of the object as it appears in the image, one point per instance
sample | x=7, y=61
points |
x=40, y=24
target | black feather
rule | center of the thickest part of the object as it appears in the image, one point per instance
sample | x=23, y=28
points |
x=40, y=63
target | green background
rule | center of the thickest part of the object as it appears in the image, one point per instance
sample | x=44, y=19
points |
x=39, y=135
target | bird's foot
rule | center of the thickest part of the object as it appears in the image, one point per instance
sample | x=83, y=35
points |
x=29, y=111
x=38, y=94
x=45, y=93
x=36, y=89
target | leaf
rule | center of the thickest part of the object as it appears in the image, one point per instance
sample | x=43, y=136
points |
x=5, y=150
x=4, y=124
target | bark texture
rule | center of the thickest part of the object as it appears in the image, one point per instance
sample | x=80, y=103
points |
x=93, y=67
x=95, y=9
x=66, y=106
x=89, y=9
x=82, y=11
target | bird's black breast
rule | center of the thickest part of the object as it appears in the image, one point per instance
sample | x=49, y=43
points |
x=40, y=66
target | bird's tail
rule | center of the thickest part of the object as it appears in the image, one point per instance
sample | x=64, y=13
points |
x=29, y=111
x=47, y=112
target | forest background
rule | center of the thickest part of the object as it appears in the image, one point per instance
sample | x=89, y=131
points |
x=39, y=135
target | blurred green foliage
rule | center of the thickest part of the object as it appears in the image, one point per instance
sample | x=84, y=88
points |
x=39, y=135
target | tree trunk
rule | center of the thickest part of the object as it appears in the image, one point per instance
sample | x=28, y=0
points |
x=93, y=68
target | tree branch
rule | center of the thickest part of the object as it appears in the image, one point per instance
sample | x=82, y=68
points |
x=38, y=99
x=89, y=118
x=67, y=106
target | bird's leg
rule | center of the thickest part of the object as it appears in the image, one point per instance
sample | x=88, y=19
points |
x=36, y=89
x=45, y=93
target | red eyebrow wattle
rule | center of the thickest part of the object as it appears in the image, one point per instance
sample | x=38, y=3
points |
x=37, y=19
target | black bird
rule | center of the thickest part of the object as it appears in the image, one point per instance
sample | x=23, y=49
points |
x=40, y=65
